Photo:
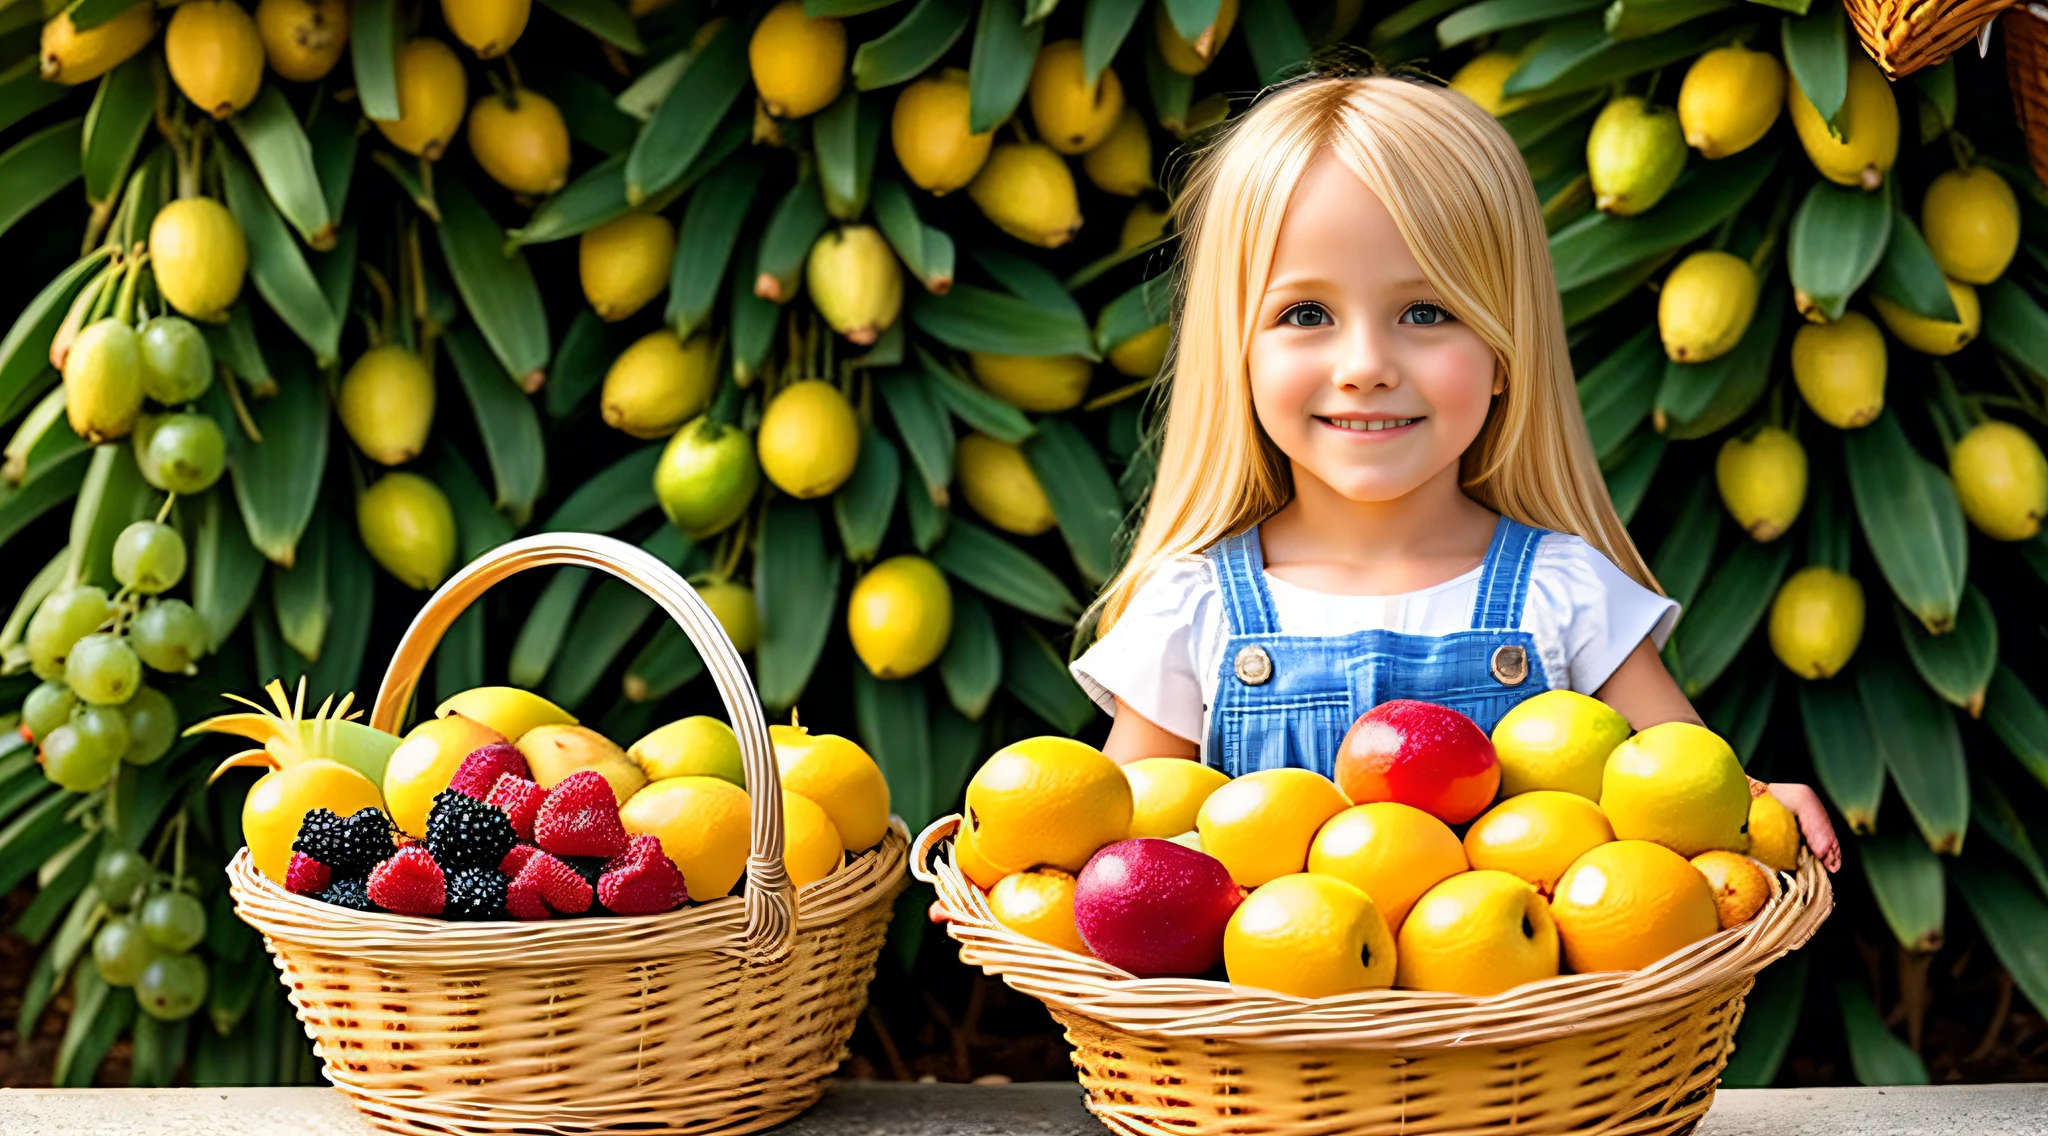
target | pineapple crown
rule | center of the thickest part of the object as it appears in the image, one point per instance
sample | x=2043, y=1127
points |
x=288, y=737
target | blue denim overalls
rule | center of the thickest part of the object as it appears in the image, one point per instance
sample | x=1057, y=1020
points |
x=1286, y=700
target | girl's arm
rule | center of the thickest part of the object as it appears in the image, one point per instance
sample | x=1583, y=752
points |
x=1643, y=691
x=1132, y=736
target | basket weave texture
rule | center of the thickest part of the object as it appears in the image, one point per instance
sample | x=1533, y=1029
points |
x=1635, y=1053
x=2026, y=72
x=1904, y=36
x=723, y=1017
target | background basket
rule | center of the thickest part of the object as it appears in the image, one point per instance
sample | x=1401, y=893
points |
x=2026, y=71
x=723, y=1017
x=1615, y=1053
x=1903, y=36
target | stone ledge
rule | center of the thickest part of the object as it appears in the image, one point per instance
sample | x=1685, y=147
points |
x=1049, y=1109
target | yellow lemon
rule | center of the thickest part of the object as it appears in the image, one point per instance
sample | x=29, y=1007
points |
x=624, y=263
x=1478, y=933
x=487, y=27
x=1309, y=936
x=1559, y=739
x=1740, y=885
x=1932, y=336
x=302, y=39
x=1840, y=369
x=659, y=383
x=1705, y=306
x=215, y=55
x=809, y=439
x=1482, y=78
x=198, y=256
x=433, y=92
x=1679, y=785
x=1972, y=224
x=1391, y=851
x=855, y=282
x=1773, y=834
x=1261, y=824
x=521, y=141
x=697, y=746
x=1762, y=478
x=811, y=848
x=1627, y=904
x=506, y=709
x=555, y=751
x=2001, y=479
x=70, y=56
x=840, y=776
x=703, y=825
x=278, y=802
x=1634, y=154
x=1027, y=191
x=386, y=403
x=734, y=607
x=1122, y=162
x=972, y=863
x=1073, y=115
x=1730, y=98
x=1536, y=835
x=1868, y=123
x=900, y=616
x=999, y=484
x=1143, y=354
x=929, y=131
x=1042, y=383
x=798, y=63
x=423, y=764
x=1192, y=57
x=1817, y=621
x=1038, y=904
x=1167, y=793
x=409, y=528
x=1047, y=800
x=1144, y=224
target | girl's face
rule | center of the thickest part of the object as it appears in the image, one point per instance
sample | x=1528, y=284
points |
x=1359, y=374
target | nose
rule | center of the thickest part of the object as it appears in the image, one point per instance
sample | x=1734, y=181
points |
x=1364, y=359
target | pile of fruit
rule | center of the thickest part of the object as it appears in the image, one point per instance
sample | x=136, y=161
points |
x=502, y=805
x=1582, y=849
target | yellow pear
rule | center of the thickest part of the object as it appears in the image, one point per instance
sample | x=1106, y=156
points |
x=557, y=749
x=433, y=93
x=1933, y=336
x=1839, y=368
x=1483, y=76
x=1762, y=478
x=1971, y=220
x=1868, y=123
x=1122, y=162
x=1041, y=383
x=1072, y=114
x=1026, y=189
x=625, y=262
x=999, y=484
x=2002, y=480
x=798, y=63
x=659, y=383
x=1817, y=621
x=900, y=616
x=929, y=131
x=1730, y=98
x=855, y=282
x=1705, y=306
x=1634, y=154
x=215, y=55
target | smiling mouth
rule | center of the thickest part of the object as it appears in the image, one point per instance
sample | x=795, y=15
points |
x=1368, y=425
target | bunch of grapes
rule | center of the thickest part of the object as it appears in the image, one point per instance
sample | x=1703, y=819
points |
x=153, y=922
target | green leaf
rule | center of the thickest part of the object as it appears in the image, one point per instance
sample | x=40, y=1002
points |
x=1958, y=665
x=1105, y=24
x=1171, y=91
x=225, y=567
x=796, y=582
x=55, y=898
x=1816, y=49
x=910, y=48
x=863, y=505
x=336, y=270
x=1134, y=312
x=299, y=594
x=25, y=352
x=1770, y=1016
x=277, y=480
x=158, y=1051
x=1687, y=554
x=1908, y=276
x=23, y=91
x=1838, y=236
x=1845, y=756
x=1875, y=1053
x=798, y=220
x=613, y=497
x=929, y=520
x=956, y=746
x=497, y=288
x=547, y=622
x=1003, y=572
x=46, y=489
x=922, y=424
x=895, y=727
x=603, y=19
x=1576, y=55
x=2019, y=720
x=589, y=111
x=1036, y=675
x=374, y=33
x=711, y=226
x=99, y=1013
x=1084, y=499
x=1410, y=18
x=1917, y=736
x=1909, y=515
x=976, y=319
x=2013, y=918
x=1595, y=296
x=478, y=526
x=974, y=405
x=283, y=158
x=1629, y=472
x=972, y=666
x=692, y=110
x=845, y=136
x=1734, y=599
x=596, y=196
x=750, y=319
x=1192, y=17
x=1616, y=395
x=35, y=168
x=1905, y=879
x=1538, y=123
x=578, y=368
x=662, y=667
x=121, y=113
x=507, y=422
x=1277, y=43
x=352, y=581
x=332, y=136
x=2015, y=323
x=1490, y=16
x=842, y=8
x=277, y=267
x=999, y=68
x=615, y=614
x=1698, y=399
x=234, y=346
x=926, y=251
x=1705, y=195
x=1633, y=19
x=112, y=496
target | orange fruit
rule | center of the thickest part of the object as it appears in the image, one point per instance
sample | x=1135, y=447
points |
x=1394, y=852
x=1741, y=885
x=423, y=764
x=1049, y=801
x=1537, y=835
x=1167, y=793
x=1478, y=933
x=1310, y=936
x=1628, y=903
x=973, y=864
x=1260, y=825
x=1773, y=834
x=1038, y=904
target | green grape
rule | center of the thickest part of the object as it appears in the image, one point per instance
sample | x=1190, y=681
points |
x=101, y=729
x=103, y=669
x=177, y=366
x=122, y=952
x=63, y=619
x=169, y=635
x=73, y=765
x=47, y=707
x=149, y=556
x=173, y=920
x=152, y=726
x=185, y=453
x=171, y=987
x=118, y=875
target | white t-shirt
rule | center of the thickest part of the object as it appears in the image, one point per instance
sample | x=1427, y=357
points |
x=1165, y=653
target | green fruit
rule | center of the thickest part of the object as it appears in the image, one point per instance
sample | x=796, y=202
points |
x=63, y=619
x=118, y=875
x=181, y=453
x=707, y=476
x=169, y=636
x=149, y=557
x=177, y=366
x=173, y=920
x=409, y=528
x=70, y=764
x=102, y=729
x=152, y=726
x=103, y=381
x=47, y=707
x=103, y=670
x=171, y=987
x=1634, y=153
x=122, y=952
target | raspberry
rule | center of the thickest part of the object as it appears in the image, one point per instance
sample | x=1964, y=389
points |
x=366, y=841
x=516, y=859
x=463, y=832
x=546, y=884
x=482, y=768
x=580, y=818
x=642, y=880
x=519, y=799
x=321, y=836
x=476, y=893
x=351, y=893
x=409, y=883
x=307, y=876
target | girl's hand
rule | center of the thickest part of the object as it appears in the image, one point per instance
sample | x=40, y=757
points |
x=938, y=915
x=1813, y=821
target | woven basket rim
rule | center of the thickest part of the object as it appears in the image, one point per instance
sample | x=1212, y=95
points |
x=1207, y=1009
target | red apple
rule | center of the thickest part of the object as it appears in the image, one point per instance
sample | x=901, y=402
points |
x=1154, y=907
x=1420, y=754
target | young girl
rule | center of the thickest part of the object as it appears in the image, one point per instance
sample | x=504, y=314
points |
x=1374, y=482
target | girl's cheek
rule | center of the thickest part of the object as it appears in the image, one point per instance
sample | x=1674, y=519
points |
x=1457, y=380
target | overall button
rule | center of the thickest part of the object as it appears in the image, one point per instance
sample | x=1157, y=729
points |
x=1510, y=665
x=1253, y=666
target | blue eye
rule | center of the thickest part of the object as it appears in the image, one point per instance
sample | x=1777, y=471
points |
x=1307, y=315
x=1426, y=314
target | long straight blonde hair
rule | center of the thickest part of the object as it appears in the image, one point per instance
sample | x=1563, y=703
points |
x=1462, y=198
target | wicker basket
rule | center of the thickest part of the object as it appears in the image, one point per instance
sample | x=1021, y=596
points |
x=719, y=1018
x=2026, y=71
x=1612, y=1053
x=1903, y=36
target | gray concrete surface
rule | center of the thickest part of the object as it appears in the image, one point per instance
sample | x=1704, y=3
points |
x=880, y=1109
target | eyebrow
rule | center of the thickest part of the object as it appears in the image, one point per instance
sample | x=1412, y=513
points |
x=1319, y=281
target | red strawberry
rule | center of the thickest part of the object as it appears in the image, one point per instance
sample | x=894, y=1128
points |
x=580, y=818
x=642, y=880
x=519, y=799
x=409, y=883
x=306, y=876
x=482, y=768
x=516, y=859
x=546, y=884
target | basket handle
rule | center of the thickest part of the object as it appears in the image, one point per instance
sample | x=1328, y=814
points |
x=770, y=899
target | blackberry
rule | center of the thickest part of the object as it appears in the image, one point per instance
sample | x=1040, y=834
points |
x=322, y=836
x=352, y=893
x=475, y=893
x=463, y=832
x=365, y=843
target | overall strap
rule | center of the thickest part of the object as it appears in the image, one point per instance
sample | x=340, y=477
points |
x=1504, y=576
x=1241, y=578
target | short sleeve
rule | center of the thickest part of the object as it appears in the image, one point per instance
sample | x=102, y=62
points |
x=1148, y=658
x=1597, y=612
